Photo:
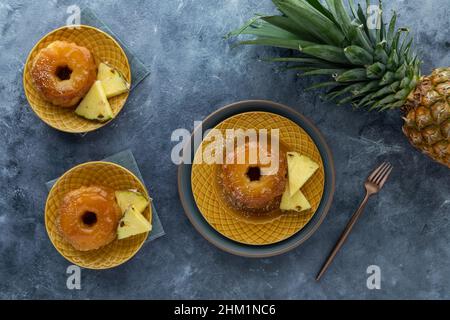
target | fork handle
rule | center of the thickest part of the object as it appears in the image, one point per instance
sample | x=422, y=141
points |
x=343, y=237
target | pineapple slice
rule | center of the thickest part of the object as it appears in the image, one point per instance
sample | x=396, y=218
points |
x=128, y=198
x=95, y=105
x=300, y=170
x=112, y=80
x=132, y=223
x=297, y=202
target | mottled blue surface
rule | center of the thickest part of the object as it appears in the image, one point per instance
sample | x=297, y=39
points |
x=405, y=230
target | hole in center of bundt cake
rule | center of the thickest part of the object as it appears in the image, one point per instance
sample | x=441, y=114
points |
x=63, y=73
x=89, y=218
x=254, y=173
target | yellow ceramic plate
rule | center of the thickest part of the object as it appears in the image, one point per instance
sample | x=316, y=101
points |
x=94, y=173
x=276, y=226
x=104, y=48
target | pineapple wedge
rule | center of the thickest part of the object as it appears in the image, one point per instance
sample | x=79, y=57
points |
x=112, y=80
x=95, y=105
x=300, y=170
x=297, y=202
x=132, y=223
x=128, y=198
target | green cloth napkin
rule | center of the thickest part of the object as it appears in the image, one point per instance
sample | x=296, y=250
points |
x=126, y=160
x=138, y=70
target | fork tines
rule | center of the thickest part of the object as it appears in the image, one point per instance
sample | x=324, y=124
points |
x=381, y=174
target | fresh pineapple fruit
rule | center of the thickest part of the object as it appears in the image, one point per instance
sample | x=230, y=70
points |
x=296, y=202
x=128, y=198
x=368, y=64
x=132, y=223
x=132, y=205
x=300, y=170
x=427, y=120
x=95, y=105
x=112, y=80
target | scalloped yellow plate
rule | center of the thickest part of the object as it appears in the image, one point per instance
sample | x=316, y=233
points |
x=104, y=48
x=94, y=173
x=277, y=225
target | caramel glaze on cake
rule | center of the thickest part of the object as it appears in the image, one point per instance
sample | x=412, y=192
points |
x=251, y=187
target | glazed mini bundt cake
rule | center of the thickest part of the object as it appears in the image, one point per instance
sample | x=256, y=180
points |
x=253, y=185
x=63, y=73
x=88, y=217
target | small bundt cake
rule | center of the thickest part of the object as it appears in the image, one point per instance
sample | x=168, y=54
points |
x=63, y=73
x=249, y=183
x=88, y=217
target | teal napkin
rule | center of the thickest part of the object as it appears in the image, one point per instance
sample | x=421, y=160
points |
x=126, y=160
x=138, y=70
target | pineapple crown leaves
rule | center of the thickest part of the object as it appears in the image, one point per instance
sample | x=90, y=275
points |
x=370, y=62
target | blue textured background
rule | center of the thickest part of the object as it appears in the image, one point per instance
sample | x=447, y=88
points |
x=405, y=230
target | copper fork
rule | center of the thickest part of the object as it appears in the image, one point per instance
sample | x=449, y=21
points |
x=373, y=185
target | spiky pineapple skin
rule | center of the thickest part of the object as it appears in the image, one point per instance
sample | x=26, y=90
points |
x=427, y=116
